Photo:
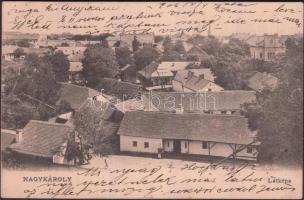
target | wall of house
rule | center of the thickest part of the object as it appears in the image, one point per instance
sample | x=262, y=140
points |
x=273, y=50
x=243, y=154
x=255, y=52
x=126, y=144
x=217, y=149
x=168, y=145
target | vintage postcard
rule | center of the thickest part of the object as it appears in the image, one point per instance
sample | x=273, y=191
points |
x=192, y=100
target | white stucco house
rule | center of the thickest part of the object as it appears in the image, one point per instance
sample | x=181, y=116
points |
x=191, y=133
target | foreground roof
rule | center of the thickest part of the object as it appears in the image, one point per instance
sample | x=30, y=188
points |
x=198, y=102
x=42, y=138
x=190, y=126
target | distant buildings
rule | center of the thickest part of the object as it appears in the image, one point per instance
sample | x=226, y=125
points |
x=126, y=40
x=166, y=71
x=266, y=47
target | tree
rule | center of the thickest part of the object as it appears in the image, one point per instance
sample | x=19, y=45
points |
x=65, y=44
x=98, y=63
x=37, y=80
x=179, y=47
x=60, y=65
x=145, y=56
x=19, y=52
x=167, y=43
x=123, y=56
x=278, y=114
x=238, y=47
x=135, y=44
x=158, y=38
x=23, y=43
x=15, y=113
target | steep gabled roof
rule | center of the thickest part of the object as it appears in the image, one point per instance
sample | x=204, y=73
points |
x=190, y=126
x=75, y=95
x=260, y=81
x=42, y=138
x=182, y=75
x=148, y=70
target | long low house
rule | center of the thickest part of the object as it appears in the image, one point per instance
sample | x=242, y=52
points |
x=191, y=133
x=222, y=102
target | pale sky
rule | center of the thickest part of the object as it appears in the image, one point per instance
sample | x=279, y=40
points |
x=288, y=17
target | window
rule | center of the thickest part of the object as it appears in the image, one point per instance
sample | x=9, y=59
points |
x=146, y=144
x=168, y=144
x=209, y=89
x=224, y=112
x=186, y=145
x=134, y=144
x=249, y=149
x=261, y=55
x=204, y=145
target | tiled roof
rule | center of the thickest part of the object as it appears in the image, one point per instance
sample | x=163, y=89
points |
x=148, y=70
x=128, y=105
x=174, y=66
x=182, y=75
x=260, y=81
x=105, y=108
x=162, y=73
x=75, y=95
x=7, y=138
x=190, y=126
x=120, y=88
x=198, y=102
x=195, y=83
x=42, y=138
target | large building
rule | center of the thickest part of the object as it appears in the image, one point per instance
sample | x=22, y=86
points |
x=191, y=133
x=266, y=47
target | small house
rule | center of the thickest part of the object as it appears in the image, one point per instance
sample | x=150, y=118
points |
x=44, y=140
x=193, y=83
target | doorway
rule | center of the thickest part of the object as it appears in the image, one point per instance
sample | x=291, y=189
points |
x=176, y=146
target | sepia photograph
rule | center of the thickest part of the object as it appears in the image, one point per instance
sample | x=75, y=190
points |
x=150, y=100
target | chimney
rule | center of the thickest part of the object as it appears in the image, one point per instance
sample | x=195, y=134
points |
x=19, y=135
x=201, y=76
x=190, y=74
